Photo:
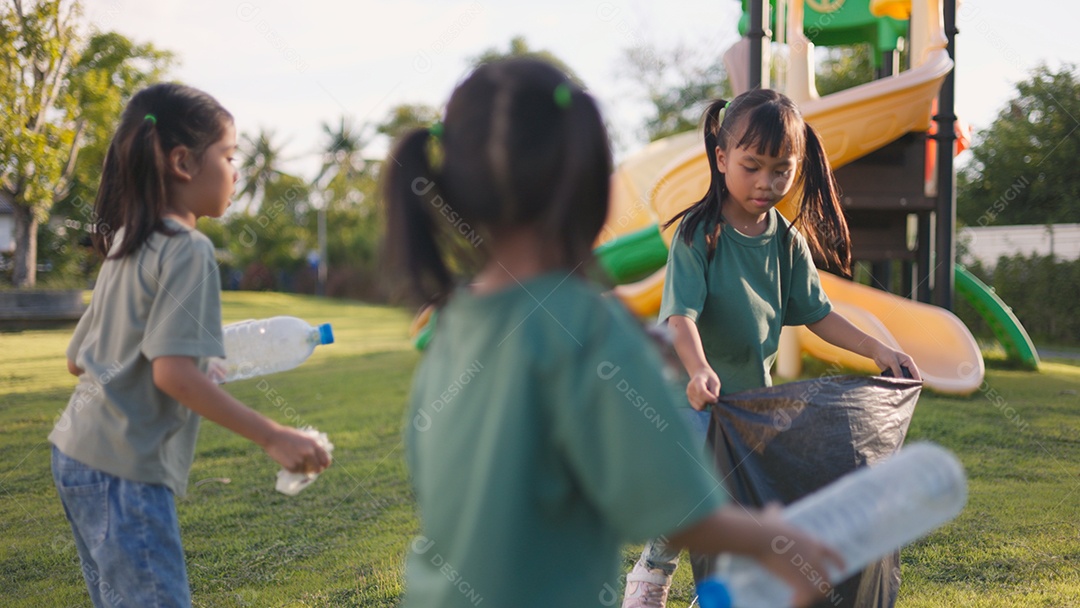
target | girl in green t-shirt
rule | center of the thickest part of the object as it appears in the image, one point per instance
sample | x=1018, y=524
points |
x=539, y=402
x=738, y=271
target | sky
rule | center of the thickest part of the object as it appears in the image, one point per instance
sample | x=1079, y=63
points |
x=289, y=67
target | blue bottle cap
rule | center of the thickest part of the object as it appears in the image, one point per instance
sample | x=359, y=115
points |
x=712, y=593
x=326, y=335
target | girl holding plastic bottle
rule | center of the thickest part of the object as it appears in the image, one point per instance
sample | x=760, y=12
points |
x=123, y=447
x=529, y=455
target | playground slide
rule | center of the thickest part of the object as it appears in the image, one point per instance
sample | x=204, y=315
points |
x=944, y=349
x=1006, y=327
x=633, y=179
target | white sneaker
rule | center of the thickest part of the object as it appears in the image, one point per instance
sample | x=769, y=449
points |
x=646, y=588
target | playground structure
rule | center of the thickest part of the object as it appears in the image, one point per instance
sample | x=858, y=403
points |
x=897, y=183
x=897, y=186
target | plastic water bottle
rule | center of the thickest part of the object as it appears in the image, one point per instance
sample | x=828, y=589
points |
x=864, y=516
x=266, y=346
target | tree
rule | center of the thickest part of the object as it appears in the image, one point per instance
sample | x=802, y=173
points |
x=110, y=69
x=404, y=117
x=520, y=48
x=260, y=165
x=677, y=83
x=272, y=243
x=60, y=100
x=342, y=155
x=1023, y=167
x=40, y=131
x=844, y=67
x=346, y=185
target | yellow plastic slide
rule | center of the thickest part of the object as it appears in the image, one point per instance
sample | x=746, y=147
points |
x=939, y=342
x=852, y=123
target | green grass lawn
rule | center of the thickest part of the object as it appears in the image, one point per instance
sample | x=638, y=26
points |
x=342, y=541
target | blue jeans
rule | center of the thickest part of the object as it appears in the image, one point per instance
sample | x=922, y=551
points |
x=127, y=535
x=656, y=555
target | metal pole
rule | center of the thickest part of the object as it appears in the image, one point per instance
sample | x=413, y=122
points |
x=907, y=284
x=890, y=65
x=944, y=237
x=321, y=287
x=924, y=258
x=756, y=34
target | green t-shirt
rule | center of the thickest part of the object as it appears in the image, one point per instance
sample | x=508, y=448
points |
x=163, y=299
x=541, y=437
x=752, y=286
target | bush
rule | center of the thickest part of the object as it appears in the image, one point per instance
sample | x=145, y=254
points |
x=1042, y=293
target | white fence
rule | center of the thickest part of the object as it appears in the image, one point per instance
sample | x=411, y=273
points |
x=988, y=243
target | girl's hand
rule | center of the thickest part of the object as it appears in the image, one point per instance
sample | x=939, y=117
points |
x=297, y=452
x=801, y=561
x=887, y=358
x=703, y=389
x=73, y=369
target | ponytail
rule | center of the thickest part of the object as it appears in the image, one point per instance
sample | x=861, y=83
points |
x=707, y=210
x=133, y=171
x=579, y=204
x=826, y=230
x=132, y=195
x=411, y=245
x=521, y=146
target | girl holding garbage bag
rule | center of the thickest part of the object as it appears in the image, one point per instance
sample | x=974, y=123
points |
x=738, y=271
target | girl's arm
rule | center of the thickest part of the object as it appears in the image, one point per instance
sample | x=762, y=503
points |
x=73, y=369
x=704, y=386
x=785, y=551
x=180, y=378
x=837, y=330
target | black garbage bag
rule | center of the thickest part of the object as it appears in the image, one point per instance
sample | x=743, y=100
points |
x=780, y=443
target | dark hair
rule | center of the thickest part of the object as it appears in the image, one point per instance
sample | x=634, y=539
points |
x=520, y=145
x=771, y=123
x=132, y=191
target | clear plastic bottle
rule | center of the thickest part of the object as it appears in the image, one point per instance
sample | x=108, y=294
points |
x=266, y=346
x=864, y=515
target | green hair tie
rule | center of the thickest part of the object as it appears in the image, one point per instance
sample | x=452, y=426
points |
x=563, y=95
x=436, y=130
x=720, y=115
x=151, y=118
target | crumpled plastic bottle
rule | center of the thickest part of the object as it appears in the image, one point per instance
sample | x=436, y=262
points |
x=291, y=483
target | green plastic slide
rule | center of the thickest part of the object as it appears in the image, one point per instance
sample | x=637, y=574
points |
x=1006, y=327
x=633, y=256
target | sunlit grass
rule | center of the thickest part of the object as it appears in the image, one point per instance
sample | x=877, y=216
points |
x=342, y=541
